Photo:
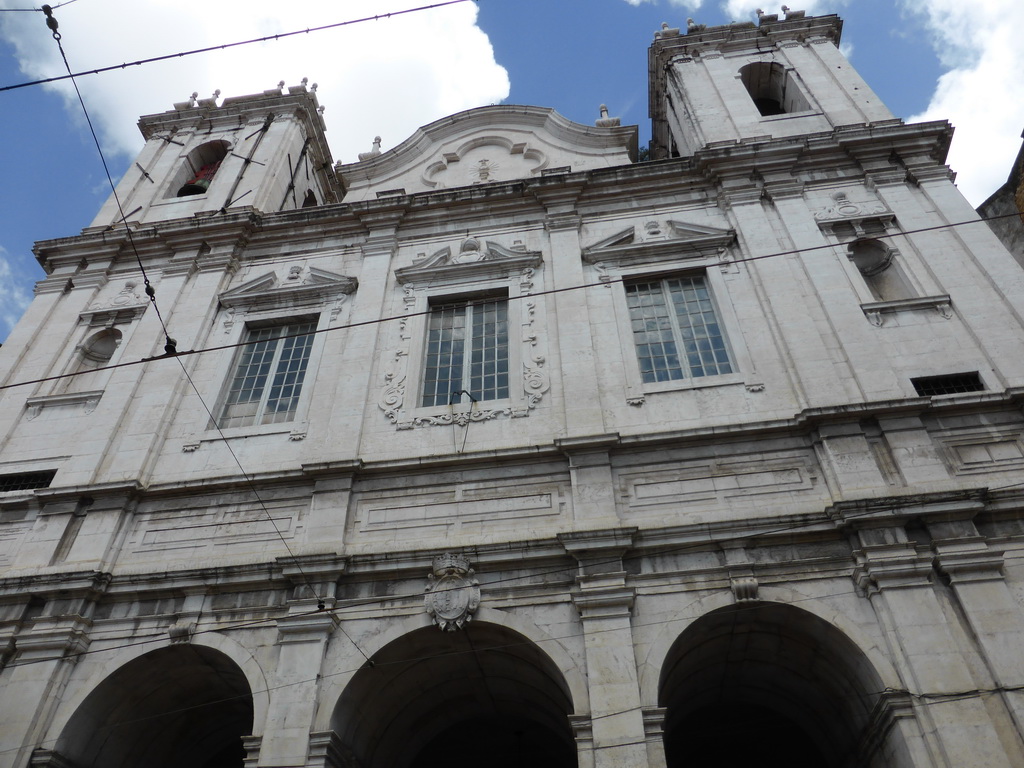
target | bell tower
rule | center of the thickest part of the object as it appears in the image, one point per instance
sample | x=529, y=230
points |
x=774, y=79
x=265, y=151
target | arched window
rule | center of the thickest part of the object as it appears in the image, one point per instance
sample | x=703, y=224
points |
x=772, y=89
x=199, y=168
x=95, y=352
x=882, y=273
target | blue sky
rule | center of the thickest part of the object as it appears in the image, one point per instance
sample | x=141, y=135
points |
x=940, y=59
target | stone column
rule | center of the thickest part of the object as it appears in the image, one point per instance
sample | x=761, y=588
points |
x=996, y=619
x=31, y=686
x=897, y=579
x=301, y=642
x=605, y=603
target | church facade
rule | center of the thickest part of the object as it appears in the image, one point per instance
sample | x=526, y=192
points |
x=503, y=447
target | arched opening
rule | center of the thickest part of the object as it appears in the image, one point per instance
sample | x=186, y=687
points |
x=95, y=352
x=772, y=89
x=882, y=273
x=176, y=706
x=767, y=684
x=483, y=695
x=200, y=166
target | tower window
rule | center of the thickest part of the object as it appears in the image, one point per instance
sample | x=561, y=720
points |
x=199, y=168
x=773, y=90
x=96, y=352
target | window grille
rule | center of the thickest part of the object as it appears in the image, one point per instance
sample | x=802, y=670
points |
x=948, y=384
x=268, y=375
x=26, y=481
x=467, y=349
x=676, y=329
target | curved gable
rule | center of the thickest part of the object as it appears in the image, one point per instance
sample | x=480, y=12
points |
x=484, y=145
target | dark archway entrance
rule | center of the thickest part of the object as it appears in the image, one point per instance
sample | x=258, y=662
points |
x=176, y=706
x=766, y=684
x=483, y=695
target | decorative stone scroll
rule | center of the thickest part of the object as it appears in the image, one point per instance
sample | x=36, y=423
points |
x=472, y=261
x=452, y=594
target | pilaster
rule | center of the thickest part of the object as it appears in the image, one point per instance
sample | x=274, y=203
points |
x=897, y=577
x=605, y=604
x=976, y=577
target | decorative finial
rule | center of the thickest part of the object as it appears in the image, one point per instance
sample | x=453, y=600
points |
x=280, y=85
x=321, y=109
x=216, y=94
x=666, y=31
x=691, y=25
x=194, y=97
x=604, y=121
x=374, y=151
x=785, y=9
x=303, y=81
x=314, y=86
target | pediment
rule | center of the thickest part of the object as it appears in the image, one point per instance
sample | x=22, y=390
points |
x=472, y=259
x=659, y=241
x=300, y=288
x=487, y=145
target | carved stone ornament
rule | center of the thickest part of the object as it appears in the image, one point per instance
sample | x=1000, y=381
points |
x=452, y=594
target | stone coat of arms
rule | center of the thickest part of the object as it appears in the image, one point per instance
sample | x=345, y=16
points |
x=452, y=594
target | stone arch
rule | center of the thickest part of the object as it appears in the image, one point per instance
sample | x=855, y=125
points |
x=760, y=678
x=182, y=704
x=485, y=693
x=657, y=651
x=567, y=666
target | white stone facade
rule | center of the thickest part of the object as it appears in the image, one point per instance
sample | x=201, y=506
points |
x=778, y=521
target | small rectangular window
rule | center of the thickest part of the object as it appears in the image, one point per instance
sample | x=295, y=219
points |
x=676, y=329
x=268, y=375
x=27, y=481
x=467, y=349
x=948, y=384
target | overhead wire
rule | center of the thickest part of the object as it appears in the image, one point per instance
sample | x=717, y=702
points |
x=937, y=696
x=170, y=345
x=225, y=46
x=406, y=316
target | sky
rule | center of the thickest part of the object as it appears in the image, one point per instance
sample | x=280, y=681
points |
x=955, y=60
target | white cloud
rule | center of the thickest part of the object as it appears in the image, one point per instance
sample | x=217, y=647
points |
x=384, y=77
x=14, y=295
x=982, y=94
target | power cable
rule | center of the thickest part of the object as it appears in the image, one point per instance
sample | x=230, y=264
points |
x=225, y=46
x=37, y=10
x=548, y=292
x=51, y=23
x=170, y=345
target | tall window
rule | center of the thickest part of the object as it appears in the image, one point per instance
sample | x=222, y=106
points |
x=467, y=349
x=676, y=329
x=772, y=89
x=268, y=375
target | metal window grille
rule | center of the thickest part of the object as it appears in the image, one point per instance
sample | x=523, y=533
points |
x=676, y=329
x=268, y=376
x=948, y=384
x=467, y=349
x=26, y=481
